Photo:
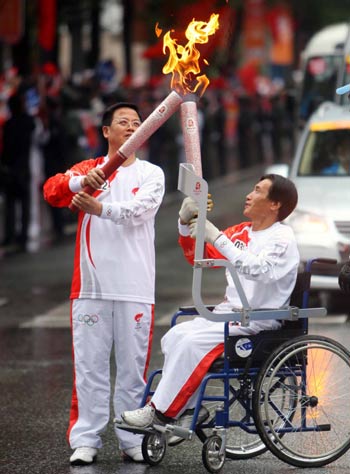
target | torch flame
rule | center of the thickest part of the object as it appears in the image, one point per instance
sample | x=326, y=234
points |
x=158, y=30
x=183, y=61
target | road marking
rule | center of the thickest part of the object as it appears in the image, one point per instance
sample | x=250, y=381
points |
x=3, y=301
x=59, y=317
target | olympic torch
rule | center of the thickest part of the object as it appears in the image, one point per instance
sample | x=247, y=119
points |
x=184, y=65
x=190, y=130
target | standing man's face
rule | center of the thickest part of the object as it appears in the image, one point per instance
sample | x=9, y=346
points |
x=124, y=123
x=257, y=204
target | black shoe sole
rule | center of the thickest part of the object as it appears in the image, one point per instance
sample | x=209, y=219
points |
x=80, y=462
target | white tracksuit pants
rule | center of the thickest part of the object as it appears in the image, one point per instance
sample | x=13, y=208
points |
x=189, y=349
x=96, y=326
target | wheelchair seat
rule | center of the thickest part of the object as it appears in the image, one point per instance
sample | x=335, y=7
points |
x=245, y=351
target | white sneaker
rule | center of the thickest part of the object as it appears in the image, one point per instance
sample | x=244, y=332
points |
x=133, y=454
x=140, y=418
x=83, y=455
x=185, y=422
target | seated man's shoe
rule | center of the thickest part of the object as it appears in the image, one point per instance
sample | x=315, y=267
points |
x=185, y=422
x=133, y=454
x=140, y=418
x=83, y=455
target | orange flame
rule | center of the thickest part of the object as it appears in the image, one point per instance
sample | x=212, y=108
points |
x=158, y=30
x=183, y=61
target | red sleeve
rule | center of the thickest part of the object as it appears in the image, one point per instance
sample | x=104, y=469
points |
x=188, y=244
x=56, y=189
x=236, y=232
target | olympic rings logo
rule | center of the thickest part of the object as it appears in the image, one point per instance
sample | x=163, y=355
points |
x=89, y=319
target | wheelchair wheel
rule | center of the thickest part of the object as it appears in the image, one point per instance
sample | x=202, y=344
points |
x=302, y=399
x=213, y=459
x=153, y=448
x=242, y=442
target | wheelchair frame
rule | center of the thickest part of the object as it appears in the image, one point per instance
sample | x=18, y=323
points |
x=264, y=378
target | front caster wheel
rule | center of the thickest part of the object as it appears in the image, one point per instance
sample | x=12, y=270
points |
x=153, y=448
x=213, y=455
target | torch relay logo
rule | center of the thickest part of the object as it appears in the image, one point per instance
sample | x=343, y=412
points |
x=137, y=319
x=191, y=125
x=162, y=110
x=197, y=188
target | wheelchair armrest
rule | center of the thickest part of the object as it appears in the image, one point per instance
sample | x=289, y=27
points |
x=185, y=311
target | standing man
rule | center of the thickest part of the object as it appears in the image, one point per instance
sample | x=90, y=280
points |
x=17, y=140
x=112, y=290
x=266, y=257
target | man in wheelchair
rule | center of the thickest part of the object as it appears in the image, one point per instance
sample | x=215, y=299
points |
x=266, y=257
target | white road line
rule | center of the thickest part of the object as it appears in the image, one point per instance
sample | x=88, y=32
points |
x=58, y=317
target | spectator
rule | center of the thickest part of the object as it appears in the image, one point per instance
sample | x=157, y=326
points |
x=54, y=154
x=17, y=137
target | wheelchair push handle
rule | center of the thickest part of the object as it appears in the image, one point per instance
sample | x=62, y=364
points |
x=321, y=260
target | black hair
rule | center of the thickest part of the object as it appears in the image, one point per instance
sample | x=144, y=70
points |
x=16, y=104
x=109, y=112
x=282, y=190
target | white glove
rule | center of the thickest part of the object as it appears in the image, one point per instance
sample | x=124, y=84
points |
x=188, y=210
x=211, y=233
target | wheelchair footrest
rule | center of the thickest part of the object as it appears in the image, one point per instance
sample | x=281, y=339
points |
x=166, y=429
x=324, y=427
x=134, y=429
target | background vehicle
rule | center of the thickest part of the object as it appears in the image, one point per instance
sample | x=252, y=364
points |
x=321, y=173
x=325, y=64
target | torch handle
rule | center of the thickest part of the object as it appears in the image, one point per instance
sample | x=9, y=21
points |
x=112, y=164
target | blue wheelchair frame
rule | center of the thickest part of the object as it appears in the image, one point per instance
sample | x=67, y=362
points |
x=228, y=369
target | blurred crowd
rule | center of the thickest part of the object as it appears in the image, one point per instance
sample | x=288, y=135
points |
x=48, y=123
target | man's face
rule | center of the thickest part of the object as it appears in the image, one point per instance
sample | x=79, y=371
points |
x=257, y=204
x=124, y=123
x=344, y=153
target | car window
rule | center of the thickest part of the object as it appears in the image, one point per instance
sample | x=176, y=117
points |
x=326, y=153
x=319, y=82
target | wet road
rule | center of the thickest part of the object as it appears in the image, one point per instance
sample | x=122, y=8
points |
x=35, y=351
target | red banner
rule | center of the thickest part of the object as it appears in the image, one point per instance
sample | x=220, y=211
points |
x=47, y=24
x=254, y=32
x=11, y=20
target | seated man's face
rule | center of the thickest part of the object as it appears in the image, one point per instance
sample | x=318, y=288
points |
x=257, y=204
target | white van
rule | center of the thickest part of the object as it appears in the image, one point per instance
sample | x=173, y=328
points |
x=321, y=172
x=325, y=65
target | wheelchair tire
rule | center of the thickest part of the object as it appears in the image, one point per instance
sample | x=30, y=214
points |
x=240, y=444
x=153, y=448
x=213, y=460
x=310, y=427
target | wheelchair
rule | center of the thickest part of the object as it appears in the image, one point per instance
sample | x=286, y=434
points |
x=281, y=390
